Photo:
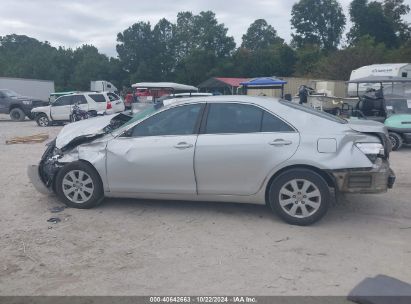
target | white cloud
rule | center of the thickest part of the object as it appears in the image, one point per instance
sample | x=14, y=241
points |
x=71, y=23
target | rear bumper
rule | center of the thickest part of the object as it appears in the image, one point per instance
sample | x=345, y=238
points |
x=34, y=176
x=377, y=179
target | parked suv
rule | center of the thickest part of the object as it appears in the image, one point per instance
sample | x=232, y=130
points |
x=17, y=106
x=92, y=102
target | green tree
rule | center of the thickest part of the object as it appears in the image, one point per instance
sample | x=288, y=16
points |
x=307, y=60
x=275, y=60
x=89, y=65
x=135, y=48
x=340, y=64
x=202, y=32
x=201, y=44
x=382, y=21
x=23, y=56
x=317, y=22
x=394, y=10
x=260, y=35
x=164, y=49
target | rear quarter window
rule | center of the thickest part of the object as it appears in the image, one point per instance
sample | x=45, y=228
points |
x=112, y=96
x=272, y=123
x=98, y=97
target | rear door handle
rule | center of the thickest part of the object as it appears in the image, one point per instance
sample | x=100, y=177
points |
x=183, y=145
x=280, y=142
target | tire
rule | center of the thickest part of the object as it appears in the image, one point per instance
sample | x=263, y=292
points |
x=92, y=113
x=79, y=185
x=289, y=200
x=396, y=140
x=17, y=114
x=42, y=120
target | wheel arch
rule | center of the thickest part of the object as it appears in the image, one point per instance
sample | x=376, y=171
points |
x=93, y=167
x=331, y=182
x=15, y=106
x=79, y=160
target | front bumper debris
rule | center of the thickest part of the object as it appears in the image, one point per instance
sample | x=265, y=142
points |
x=377, y=179
x=34, y=176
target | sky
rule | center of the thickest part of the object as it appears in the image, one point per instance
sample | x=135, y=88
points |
x=71, y=23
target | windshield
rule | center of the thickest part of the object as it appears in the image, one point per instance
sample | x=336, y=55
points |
x=398, y=105
x=143, y=114
x=121, y=121
x=400, y=89
x=10, y=93
x=313, y=111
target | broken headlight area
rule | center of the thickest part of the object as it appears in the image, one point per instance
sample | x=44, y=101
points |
x=49, y=164
x=372, y=150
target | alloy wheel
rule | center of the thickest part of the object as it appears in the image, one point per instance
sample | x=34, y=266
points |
x=300, y=198
x=43, y=121
x=77, y=186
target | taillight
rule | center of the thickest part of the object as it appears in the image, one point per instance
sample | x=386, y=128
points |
x=109, y=106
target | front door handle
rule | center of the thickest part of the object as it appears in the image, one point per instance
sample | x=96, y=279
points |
x=183, y=145
x=280, y=142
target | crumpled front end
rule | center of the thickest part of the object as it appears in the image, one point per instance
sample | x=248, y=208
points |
x=43, y=174
x=84, y=140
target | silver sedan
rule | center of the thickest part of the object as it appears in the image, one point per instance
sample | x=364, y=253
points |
x=224, y=148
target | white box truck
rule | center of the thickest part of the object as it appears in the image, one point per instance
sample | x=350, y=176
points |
x=102, y=86
x=387, y=69
x=34, y=88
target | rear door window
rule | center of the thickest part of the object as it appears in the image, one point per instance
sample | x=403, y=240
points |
x=233, y=118
x=98, y=97
x=242, y=118
x=80, y=99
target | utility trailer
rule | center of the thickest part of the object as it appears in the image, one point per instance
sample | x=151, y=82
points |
x=400, y=70
x=33, y=88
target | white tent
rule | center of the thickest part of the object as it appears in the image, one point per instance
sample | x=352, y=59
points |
x=165, y=85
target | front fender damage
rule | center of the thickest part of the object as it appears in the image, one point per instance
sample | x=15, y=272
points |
x=85, y=140
x=54, y=159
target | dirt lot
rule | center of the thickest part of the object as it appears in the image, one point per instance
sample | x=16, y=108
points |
x=135, y=247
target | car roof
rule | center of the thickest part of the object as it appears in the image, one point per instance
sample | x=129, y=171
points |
x=262, y=101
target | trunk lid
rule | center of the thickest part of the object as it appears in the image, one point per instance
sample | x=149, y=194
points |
x=367, y=126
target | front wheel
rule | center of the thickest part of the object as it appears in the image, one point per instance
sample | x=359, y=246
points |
x=17, y=114
x=42, y=120
x=299, y=196
x=396, y=140
x=79, y=186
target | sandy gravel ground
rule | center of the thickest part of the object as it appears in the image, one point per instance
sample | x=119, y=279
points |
x=137, y=247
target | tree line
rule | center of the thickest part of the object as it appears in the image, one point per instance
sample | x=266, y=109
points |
x=197, y=47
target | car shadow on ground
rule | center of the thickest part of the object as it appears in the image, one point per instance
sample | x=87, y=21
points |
x=210, y=209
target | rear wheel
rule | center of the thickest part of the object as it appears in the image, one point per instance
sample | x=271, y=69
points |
x=299, y=196
x=79, y=186
x=396, y=140
x=17, y=114
x=42, y=120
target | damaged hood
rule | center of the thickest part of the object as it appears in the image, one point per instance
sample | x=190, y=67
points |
x=83, y=128
x=367, y=126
